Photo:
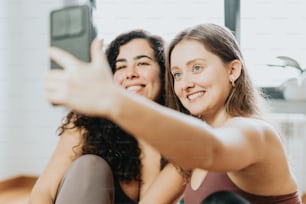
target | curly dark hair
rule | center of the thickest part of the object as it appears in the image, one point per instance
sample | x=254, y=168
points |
x=104, y=138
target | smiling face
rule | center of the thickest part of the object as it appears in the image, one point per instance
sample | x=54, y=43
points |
x=137, y=70
x=201, y=79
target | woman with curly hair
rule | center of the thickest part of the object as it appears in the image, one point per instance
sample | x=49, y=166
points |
x=225, y=140
x=106, y=164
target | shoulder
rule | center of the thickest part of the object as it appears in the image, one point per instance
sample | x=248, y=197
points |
x=71, y=142
x=253, y=126
x=257, y=133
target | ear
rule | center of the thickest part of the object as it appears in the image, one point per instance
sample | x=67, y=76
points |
x=234, y=70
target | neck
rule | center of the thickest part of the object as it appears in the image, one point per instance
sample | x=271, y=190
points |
x=217, y=119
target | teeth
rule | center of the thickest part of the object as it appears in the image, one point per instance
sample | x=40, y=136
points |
x=193, y=96
x=134, y=88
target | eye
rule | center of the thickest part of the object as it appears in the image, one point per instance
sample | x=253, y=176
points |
x=177, y=76
x=143, y=64
x=118, y=67
x=196, y=68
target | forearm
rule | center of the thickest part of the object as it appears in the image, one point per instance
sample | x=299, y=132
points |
x=167, y=188
x=45, y=188
x=177, y=136
x=39, y=197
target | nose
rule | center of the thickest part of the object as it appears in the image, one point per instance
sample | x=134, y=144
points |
x=131, y=72
x=187, y=83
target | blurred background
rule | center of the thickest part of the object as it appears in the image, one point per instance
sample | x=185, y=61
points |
x=265, y=30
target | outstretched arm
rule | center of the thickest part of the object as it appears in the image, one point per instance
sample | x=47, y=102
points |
x=44, y=190
x=185, y=140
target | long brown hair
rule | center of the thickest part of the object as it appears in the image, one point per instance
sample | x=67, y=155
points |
x=244, y=98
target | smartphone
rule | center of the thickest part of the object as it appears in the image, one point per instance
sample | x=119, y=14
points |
x=72, y=29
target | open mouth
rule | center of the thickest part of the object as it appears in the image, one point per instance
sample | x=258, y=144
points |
x=195, y=95
x=135, y=87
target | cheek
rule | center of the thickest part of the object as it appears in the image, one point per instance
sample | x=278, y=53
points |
x=118, y=78
x=153, y=79
x=177, y=89
x=151, y=75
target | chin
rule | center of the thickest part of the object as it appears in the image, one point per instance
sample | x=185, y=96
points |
x=195, y=113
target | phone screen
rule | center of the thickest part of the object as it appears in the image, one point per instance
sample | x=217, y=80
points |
x=72, y=30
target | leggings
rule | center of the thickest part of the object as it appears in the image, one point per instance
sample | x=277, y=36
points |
x=88, y=180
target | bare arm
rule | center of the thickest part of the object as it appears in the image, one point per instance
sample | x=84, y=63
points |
x=194, y=144
x=44, y=190
x=167, y=187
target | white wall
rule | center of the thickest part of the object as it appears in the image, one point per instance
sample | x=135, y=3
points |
x=269, y=29
x=27, y=121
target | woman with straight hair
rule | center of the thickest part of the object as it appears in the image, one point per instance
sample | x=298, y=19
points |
x=222, y=135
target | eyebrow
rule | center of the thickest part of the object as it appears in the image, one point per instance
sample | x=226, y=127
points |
x=190, y=62
x=135, y=58
x=143, y=56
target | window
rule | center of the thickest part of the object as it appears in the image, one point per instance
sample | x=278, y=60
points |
x=270, y=29
x=162, y=17
x=267, y=28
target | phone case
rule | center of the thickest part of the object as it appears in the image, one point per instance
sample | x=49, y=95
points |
x=71, y=29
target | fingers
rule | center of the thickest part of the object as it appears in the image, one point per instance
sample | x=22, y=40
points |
x=97, y=54
x=63, y=58
x=54, y=87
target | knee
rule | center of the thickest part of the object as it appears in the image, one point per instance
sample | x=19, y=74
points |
x=89, y=178
x=90, y=169
x=92, y=161
x=92, y=165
